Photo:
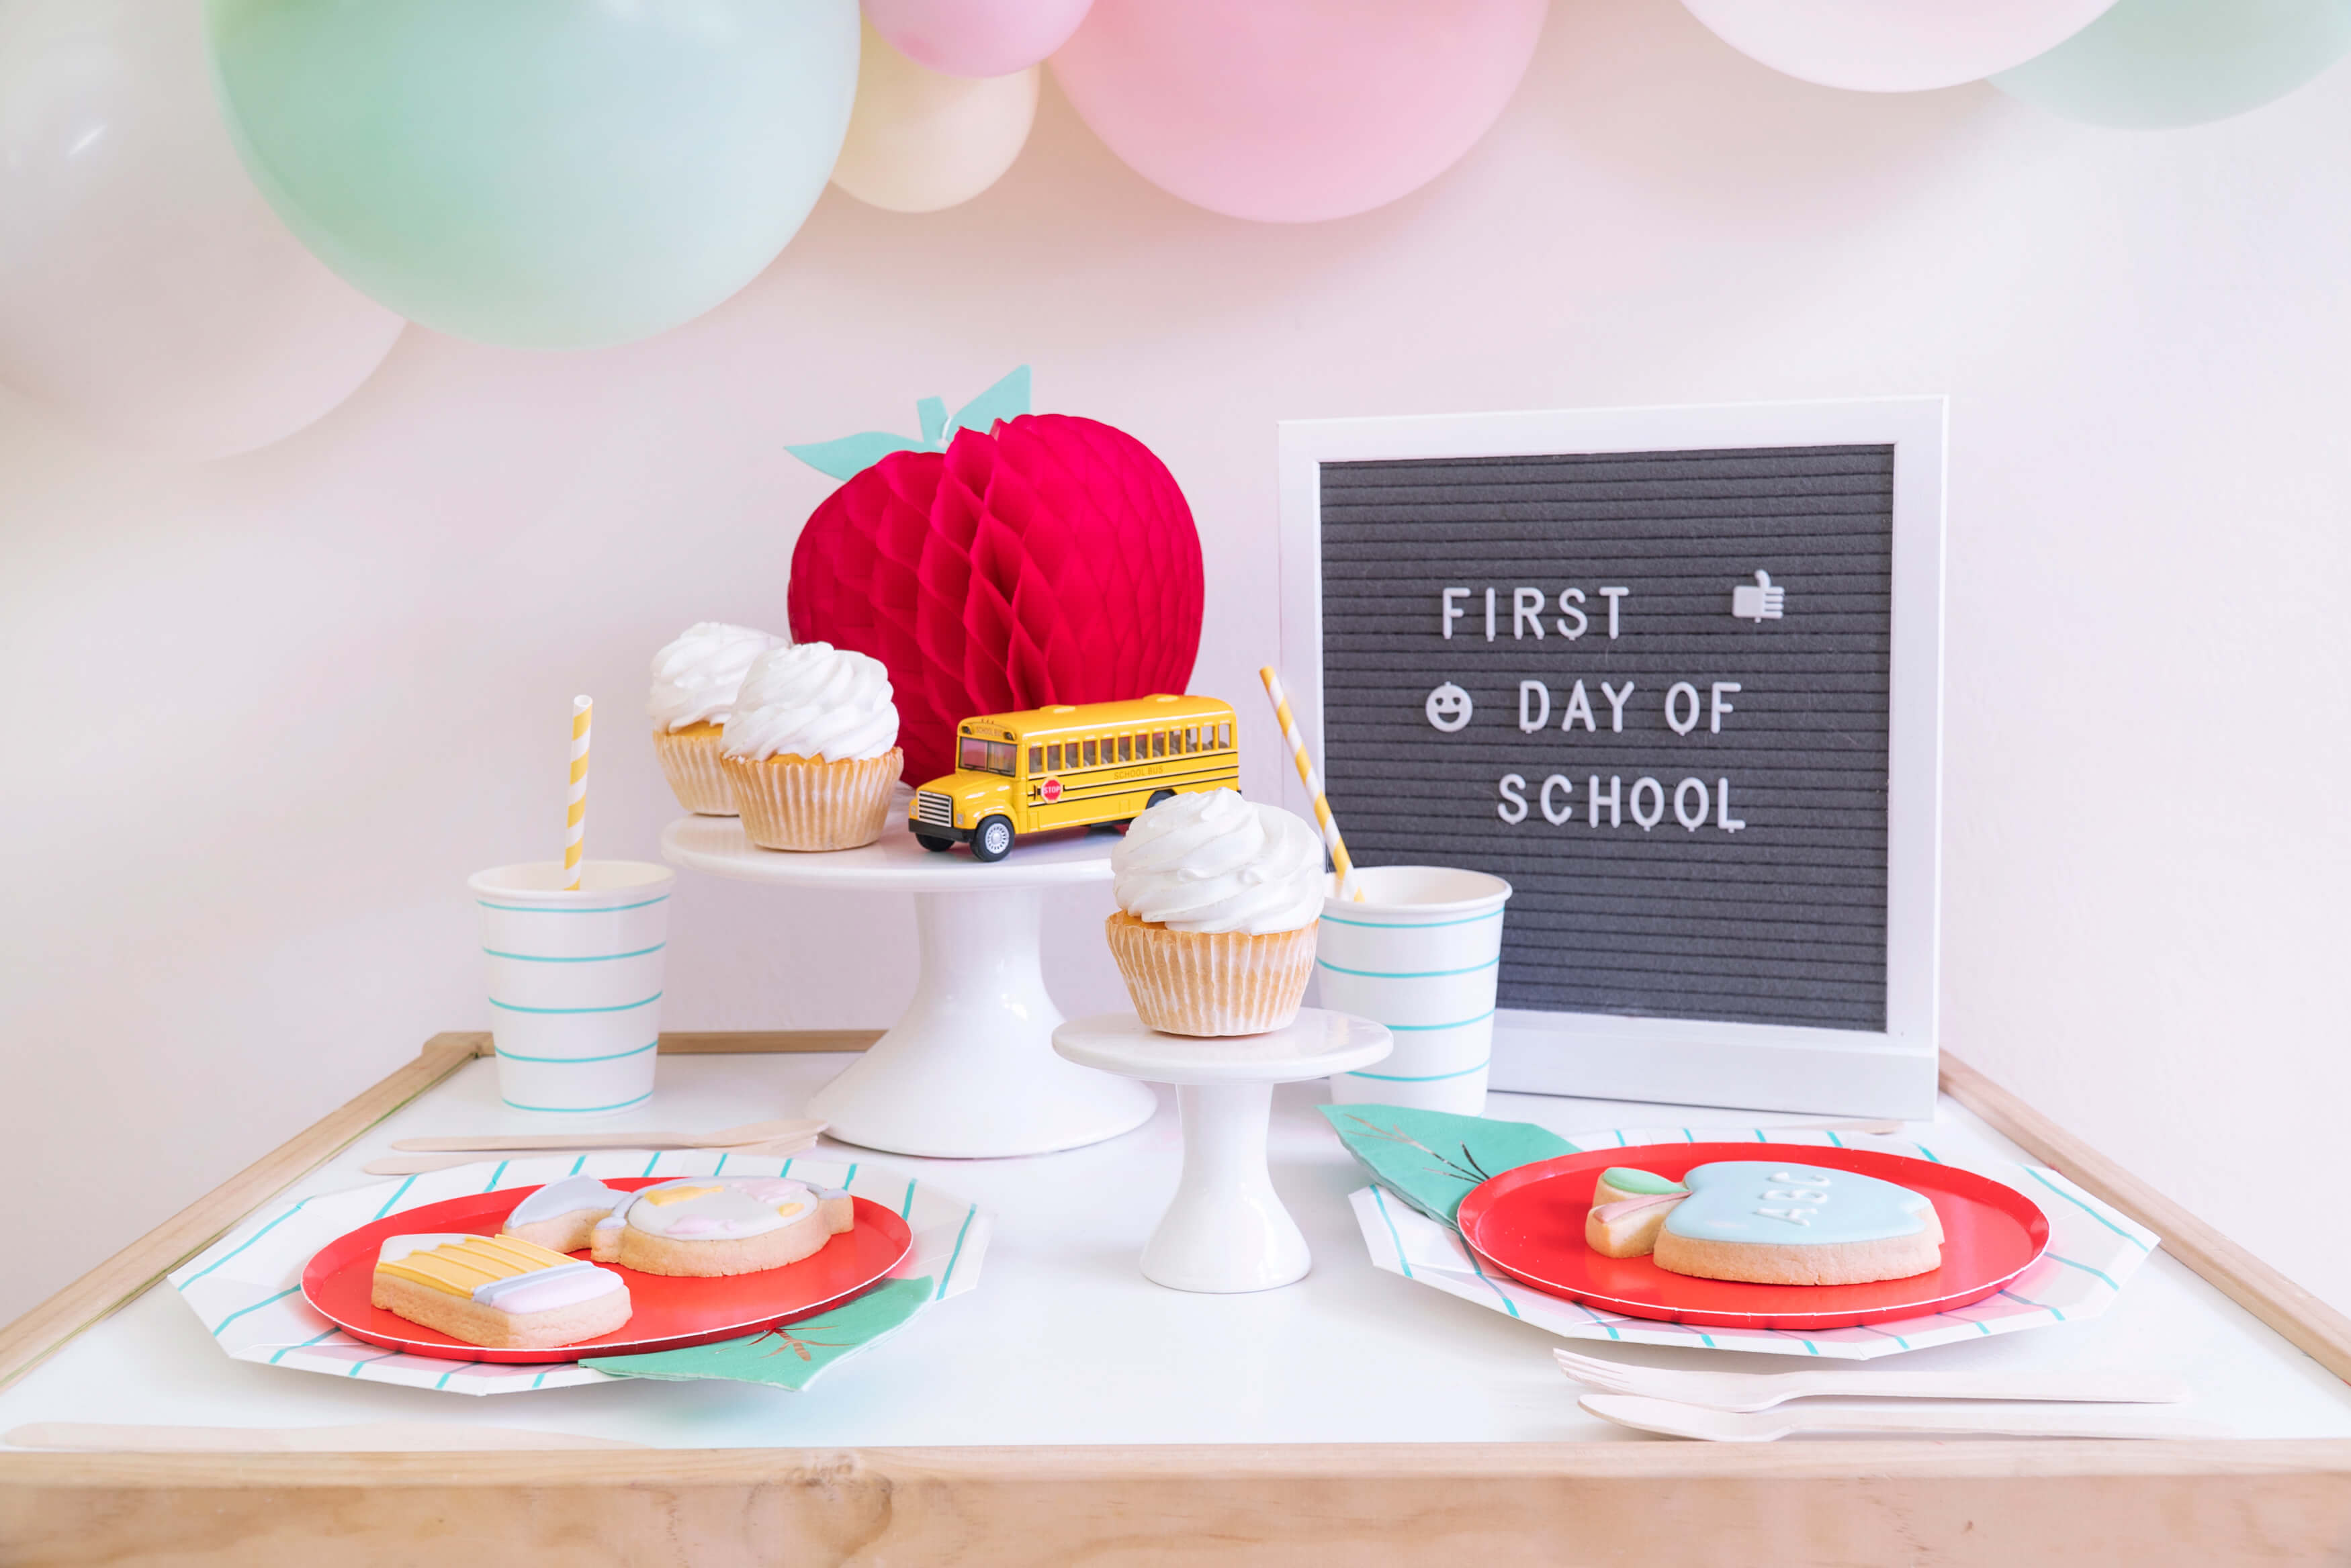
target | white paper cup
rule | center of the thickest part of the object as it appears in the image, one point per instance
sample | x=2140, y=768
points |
x=575, y=981
x=1419, y=954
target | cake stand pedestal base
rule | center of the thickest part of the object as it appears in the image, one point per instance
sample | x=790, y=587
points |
x=1225, y=1229
x=968, y=1069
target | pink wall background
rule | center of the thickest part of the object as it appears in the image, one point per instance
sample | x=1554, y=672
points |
x=266, y=715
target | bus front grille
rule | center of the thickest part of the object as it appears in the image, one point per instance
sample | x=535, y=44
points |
x=934, y=808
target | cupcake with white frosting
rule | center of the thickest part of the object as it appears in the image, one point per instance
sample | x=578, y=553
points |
x=811, y=752
x=1218, y=901
x=694, y=681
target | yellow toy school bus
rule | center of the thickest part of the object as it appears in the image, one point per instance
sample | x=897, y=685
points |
x=1071, y=766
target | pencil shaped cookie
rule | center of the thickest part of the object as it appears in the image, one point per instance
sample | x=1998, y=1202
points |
x=498, y=1292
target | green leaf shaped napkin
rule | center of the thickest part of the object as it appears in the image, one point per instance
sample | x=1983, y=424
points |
x=1432, y=1160
x=789, y=1356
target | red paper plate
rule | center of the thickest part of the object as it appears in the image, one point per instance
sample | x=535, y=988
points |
x=1529, y=1223
x=669, y=1312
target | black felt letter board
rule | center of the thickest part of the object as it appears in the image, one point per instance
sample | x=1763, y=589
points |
x=1756, y=891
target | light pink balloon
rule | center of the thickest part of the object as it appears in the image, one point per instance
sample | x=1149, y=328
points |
x=1295, y=110
x=975, y=38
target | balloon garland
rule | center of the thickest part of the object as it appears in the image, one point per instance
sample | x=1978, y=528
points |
x=1909, y=46
x=147, y=292
x=920, y=141
x=552, y=174
x=539, y=174
x=2155, y=64
x=1295, y=110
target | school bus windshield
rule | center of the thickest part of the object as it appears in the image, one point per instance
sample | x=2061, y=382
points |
x=980, y=757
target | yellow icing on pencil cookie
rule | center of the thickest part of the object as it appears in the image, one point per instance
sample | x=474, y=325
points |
x=460, y=1268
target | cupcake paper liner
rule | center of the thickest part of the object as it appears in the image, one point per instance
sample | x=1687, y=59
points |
x=690, y=757
x=806, y=803
x=1212, y=982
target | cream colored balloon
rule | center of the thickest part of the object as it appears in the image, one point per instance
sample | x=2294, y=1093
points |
x=919, y=141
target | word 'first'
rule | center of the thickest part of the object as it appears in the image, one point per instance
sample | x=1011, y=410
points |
x=1693, y=803
x=1527, y=609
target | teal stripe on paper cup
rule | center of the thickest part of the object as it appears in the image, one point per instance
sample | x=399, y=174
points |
x=575, y=981
x=1420, y=953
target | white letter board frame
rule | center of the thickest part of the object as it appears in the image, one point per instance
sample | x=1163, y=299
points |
x=1829, y=1071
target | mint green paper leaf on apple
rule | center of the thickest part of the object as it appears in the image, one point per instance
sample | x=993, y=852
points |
x=1432, y=1160
x=1008, y=398
x=788, y=1357
x=852, y=455
x=933, y=412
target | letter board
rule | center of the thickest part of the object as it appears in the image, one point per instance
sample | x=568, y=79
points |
x=1654, y=687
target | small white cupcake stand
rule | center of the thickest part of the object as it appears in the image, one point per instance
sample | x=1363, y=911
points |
x=969, y=1070
x=1225, y=1229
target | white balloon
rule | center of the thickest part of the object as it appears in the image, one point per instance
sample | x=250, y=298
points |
x=147, y=291
x=920, y=141
x=1895, y=45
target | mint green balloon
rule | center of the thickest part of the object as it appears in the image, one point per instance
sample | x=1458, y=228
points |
x=539, y=174
x=2152, y=64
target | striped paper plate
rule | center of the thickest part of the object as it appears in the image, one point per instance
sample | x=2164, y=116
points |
x=247, y=1288
x=2093, y=1250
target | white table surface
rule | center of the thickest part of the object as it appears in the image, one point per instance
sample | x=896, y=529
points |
x=1065, y=1341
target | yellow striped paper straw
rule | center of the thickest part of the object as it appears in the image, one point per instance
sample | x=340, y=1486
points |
x=575, y=818
x=1338, y=846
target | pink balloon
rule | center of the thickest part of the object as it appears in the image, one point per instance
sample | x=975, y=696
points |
x=975, y=38
x=1295, y=110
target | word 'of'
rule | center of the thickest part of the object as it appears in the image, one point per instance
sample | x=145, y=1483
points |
x=1620, y=803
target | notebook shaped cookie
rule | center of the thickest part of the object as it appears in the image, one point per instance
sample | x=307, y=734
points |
x=1764, y=1222
x=498, y=1292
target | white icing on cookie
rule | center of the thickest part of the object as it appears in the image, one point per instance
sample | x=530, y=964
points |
x=714, y=1208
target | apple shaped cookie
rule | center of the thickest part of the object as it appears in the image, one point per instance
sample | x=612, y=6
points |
x=1764, y=1223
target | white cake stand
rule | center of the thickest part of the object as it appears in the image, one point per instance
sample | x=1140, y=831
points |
x=1225, y=1229
x=969, y=1070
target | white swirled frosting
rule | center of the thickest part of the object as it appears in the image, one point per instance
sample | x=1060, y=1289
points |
x=695, y=676
x=813, y=699
x=1213, y=862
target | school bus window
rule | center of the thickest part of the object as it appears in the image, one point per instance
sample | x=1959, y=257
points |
x=1224, y=737
x=1158, y=742
x=1036, y=759
x=1003, y=756
x=1052, y=758
x=1090, y=758
x=971, y=752
x=1126, y=747
x=1192, y=738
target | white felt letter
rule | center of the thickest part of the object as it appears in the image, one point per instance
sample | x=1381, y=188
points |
x=1616, y=704
x=1692, y=820
x=1673, y=692
x=1579, y=706
x=1615, y=598
x=1583, y=622
x=1543, y=715
x=1657, y=812
x=1489, y=615
x=1722, y=817
x=1513, y=808
x=1721, y=707
x=1453, y=612
x=1526, y=610
x=1565, y=814
x=1615, y=798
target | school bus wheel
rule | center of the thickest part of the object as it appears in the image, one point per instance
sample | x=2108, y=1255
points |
x=1156, y=796
x=935, y=846
x=992, y=840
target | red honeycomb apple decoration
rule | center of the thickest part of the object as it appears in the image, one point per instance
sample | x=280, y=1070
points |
x=1005, y=560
